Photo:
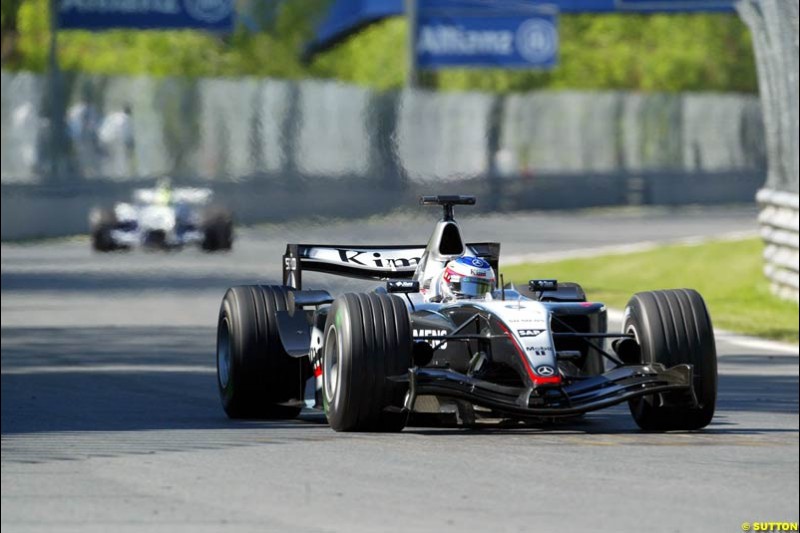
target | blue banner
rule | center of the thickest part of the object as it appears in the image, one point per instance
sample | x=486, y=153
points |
x=346, y=17
x=519, y=41
x=211, y=15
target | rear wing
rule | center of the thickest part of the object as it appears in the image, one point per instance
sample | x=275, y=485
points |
x=365, y=262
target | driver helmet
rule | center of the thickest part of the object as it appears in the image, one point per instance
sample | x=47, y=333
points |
x=164, y=191
x=467, y=277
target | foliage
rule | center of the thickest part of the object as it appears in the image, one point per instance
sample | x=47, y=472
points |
x=617, y=51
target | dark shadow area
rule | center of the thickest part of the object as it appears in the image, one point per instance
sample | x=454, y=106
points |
x=596, y=424
x=756, y=393
x=761, y=360
x=86, y=379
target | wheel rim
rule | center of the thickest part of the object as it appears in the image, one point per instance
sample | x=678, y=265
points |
x=224, y=353
x=631, y=330
x=331, y=360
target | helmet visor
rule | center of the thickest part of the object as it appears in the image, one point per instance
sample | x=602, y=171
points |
x=471, y=287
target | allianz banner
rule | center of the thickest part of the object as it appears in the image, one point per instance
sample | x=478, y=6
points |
x=212, y=15
x=469, y=40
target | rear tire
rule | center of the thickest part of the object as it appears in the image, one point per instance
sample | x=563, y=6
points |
x=255, y=375
x=367, y=340
x=673, y=327
x=217, y=230
x=101, y=222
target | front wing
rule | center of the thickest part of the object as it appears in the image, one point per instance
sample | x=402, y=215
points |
x=588, y=394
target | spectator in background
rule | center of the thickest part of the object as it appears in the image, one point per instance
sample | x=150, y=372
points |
x=26, y=131
x=83, y=120
x=116, y=138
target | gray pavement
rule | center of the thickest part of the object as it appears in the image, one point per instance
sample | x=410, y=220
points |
x=110, y=416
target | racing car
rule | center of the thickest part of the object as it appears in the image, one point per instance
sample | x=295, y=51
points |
x=440, y=340
x=165, y=218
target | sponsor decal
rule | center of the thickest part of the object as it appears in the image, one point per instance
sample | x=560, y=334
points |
x=104, y=14
x=545, y=370
x=537, y=40
x=543, y=285
x=363, y=258
x=122, y=6
x=421, y=333
x=529, y=332
x=457, y=40
x=488, y=37
x=209, y=11
x=538, y=350
x=402, y=285
x=403, y=259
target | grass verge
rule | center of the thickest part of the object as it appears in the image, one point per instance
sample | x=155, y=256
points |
x=728, y=274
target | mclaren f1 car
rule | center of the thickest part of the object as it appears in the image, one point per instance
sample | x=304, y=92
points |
x=474, y=351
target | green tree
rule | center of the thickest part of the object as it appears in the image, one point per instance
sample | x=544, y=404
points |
x=699, y=52
x=617, y=51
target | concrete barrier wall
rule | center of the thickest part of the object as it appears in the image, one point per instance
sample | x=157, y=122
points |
x=220, y=130
x=276, y=149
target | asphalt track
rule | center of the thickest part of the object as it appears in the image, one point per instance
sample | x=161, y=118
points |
x=111, y=422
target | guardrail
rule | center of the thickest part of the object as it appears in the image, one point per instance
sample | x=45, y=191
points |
x=779, y=220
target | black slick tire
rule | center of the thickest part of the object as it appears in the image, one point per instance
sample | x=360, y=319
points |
x=217, y=230
x=255, y=376
x=102, y=221
x=673, y=327
x=367, y=340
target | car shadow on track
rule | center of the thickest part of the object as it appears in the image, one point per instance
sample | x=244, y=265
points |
x=113, y=379
x=146, y=378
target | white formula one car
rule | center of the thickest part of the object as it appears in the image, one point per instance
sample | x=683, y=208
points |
x=164, y=218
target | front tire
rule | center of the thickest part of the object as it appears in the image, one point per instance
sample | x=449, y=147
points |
x=673, y=327
x=255, y=376
x=367, y=340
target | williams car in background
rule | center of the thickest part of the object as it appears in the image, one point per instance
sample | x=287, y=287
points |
x=163, y=217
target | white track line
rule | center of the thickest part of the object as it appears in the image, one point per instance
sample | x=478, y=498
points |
x=622, y=249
